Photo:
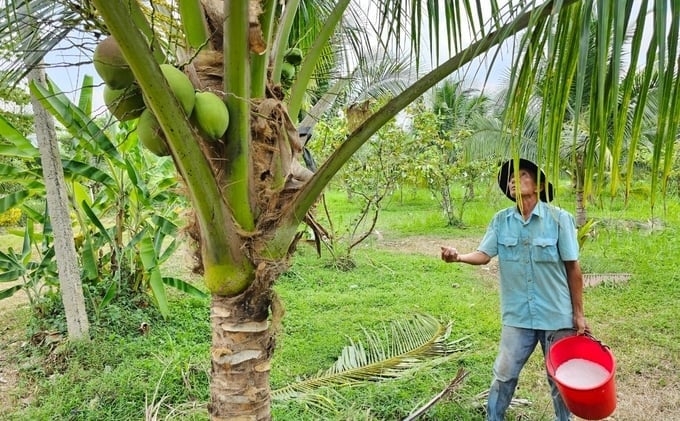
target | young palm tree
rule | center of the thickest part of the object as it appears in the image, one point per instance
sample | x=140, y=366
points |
x=248, y=189
x=578, y=133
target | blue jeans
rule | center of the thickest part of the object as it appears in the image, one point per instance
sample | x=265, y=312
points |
x=516, y=347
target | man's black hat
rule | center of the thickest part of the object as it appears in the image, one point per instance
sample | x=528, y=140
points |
x=507, y=168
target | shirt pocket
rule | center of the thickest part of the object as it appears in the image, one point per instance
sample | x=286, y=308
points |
x=545, y=250
x=508, y=248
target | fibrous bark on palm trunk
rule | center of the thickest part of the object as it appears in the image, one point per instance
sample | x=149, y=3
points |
x=243, y=341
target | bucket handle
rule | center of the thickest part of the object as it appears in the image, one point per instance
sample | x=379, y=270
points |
x=603, y=345
x=590, y=335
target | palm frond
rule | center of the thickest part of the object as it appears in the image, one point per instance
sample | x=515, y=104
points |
x=490, y=138
x=457, y=381
x=29, y=29
x=404, y=346
x=378, y=75
x=480, y=400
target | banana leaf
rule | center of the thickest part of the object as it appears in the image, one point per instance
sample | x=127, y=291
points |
x=17, y=144
x=184, y=286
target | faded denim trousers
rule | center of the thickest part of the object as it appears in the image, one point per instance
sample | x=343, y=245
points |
x=516, y=347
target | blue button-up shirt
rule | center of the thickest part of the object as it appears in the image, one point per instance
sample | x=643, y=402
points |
x=533, y=279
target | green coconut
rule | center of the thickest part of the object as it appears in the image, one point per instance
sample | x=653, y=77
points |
x=181, y=86
x=211, y=114
x=111, y=65
x=293, y=56
x=287, y=71
x=124, y=104
x=150, y=133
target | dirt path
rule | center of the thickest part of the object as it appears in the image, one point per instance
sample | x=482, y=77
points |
x=428, y=245
x=431, y=246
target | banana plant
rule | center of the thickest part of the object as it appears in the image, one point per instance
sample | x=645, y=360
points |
x=124, y=255
x=33, y=268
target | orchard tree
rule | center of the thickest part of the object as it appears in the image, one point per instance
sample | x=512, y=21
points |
x=369, y=179
x=248, y=189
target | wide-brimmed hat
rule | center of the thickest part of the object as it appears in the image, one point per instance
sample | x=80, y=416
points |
x=507, y=168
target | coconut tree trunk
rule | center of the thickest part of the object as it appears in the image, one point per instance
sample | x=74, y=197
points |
x=581, y=213
x=242, y=347
x=57, y=206
x=579, y=187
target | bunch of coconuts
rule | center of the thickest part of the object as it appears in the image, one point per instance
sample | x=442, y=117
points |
x=125, y=100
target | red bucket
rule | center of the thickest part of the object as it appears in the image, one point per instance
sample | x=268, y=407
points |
x=583, y=370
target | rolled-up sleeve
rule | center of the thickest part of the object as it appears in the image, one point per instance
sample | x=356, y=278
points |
x=489, y=244
x=567, y=242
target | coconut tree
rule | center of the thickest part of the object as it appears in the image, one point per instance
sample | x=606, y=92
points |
x=577, y=129
x=457, y=108
x=249, y=192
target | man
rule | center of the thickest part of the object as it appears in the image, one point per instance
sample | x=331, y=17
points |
x=541, y=283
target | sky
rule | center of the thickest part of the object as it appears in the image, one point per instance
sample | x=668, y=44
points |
x=478, y=75
x=69, y=77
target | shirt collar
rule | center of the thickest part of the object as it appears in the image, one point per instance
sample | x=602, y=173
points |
x=538, y=211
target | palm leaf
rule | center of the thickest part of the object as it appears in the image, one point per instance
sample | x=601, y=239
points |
x=406, y=345
x=32, y=28
x=453, y=384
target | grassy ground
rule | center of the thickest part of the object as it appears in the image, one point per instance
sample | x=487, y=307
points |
x=123, y=372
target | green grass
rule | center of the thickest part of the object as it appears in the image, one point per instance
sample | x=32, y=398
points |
x=385, y=286
x=114, y=376
x=111, y=377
